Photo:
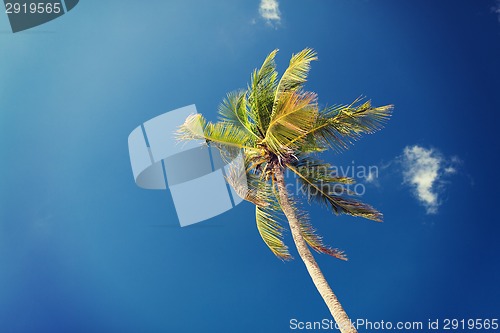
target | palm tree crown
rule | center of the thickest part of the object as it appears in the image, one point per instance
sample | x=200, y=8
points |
x=279, y=125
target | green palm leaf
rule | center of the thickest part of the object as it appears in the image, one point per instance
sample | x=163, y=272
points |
x=222, y=135
x=319, y=171
x=295, y=75
x=295, y=115
x=310, y=235
x=253, y=188
x=271, y=231
x=331, y=196
x=338, y=127
x=315, y=241
x=233, y=110
x=250, y=186
x=261, y=93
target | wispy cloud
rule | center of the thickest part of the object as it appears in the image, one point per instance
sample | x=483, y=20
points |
x=372, y=176
x=496, y=9
x=423, y=170
x=269, y=11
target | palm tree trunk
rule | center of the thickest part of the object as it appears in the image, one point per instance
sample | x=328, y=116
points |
x=338, y=313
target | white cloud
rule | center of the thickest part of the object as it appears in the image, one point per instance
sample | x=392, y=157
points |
x=496, y=9
x=450, y=170
x=269, y=11
x=423, y=170
x=370, y=178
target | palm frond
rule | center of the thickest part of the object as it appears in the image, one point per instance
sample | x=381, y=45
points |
x=319, y=171
x=331, y=196
x=295, y=75
x=315, y=241
x=250, y=186
x=253, y=188
x=310, y=235
x=295, y=115
x=338, y=127
x=261, y=93
x=271, y=231
x=233, y=110
x=221, y=134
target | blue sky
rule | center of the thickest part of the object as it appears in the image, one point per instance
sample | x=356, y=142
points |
x=83, y=249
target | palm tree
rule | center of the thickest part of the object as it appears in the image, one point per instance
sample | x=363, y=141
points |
x=278, y=126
